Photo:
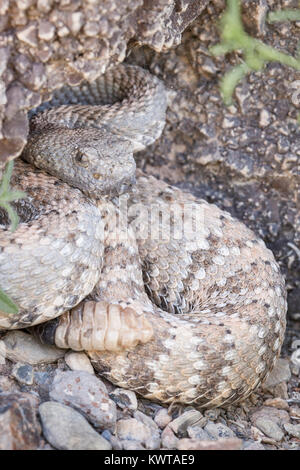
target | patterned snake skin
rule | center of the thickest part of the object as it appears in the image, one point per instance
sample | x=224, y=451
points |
x=170, y=296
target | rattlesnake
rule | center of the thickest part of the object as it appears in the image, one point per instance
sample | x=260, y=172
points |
x=183, y=303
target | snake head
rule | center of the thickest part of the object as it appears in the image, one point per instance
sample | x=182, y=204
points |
x=95, y=161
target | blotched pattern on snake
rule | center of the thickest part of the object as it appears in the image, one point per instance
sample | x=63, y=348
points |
x=170, y=296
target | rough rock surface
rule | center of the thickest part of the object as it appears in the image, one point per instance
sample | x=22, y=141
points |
x=44, y=44
x=19, y=426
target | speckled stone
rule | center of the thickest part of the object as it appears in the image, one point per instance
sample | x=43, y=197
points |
x=86, y=393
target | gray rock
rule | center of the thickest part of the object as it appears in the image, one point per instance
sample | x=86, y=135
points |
x=279, y=417
x=270, y=428
x=124, y=398
x=132, y=429
x=188, y=418
x=218, y=430
x=86, y=393
x=67, y=429
x=22, y=347
x=132, y=445
x=168, y=439
x=24, y=373
x=153, y=442
x=162, y=418
x=78, y=361
x=292, y=429
x=197, y=432
x=280, y=373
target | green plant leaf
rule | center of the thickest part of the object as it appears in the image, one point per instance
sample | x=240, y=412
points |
x=6, y=304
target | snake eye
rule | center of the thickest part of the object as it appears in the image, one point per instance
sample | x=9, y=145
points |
x=81, y=159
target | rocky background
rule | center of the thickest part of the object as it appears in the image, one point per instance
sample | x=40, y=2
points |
x=244, y=158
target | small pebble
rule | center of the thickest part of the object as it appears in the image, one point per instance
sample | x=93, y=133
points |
x=277, y=403
x=124, y=398
x=293, y=430
x=133, y=430
x=295, y=412
x=218, y=430
x=24, y=373
x=162, y=418
x=132, y=445
x=78, y=361
x=197, y=432
x=188, y=418
x=168, y=438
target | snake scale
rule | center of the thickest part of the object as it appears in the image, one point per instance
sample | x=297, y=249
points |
x=169, y=295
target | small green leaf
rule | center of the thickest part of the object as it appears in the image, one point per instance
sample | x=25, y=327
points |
x=284, y=15
x=6, y=304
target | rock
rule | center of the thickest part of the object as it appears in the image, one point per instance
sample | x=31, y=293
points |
x=78, y=361
x=277, y=403
x=280, y=373
x=295, y=412
x=168, y=438
x=23, y=373
x=19, y=426
x=188, y=418
x=2, y=352
x=270, y=421
x=8, y=385
x=22, y=347
x=197, y=432
x=86, y=393
x=279, y=417
x=292, y=429
x=67, y=429
x=269, y=428
x=152, y=443
x=132, y=445
x=162, y=418
x=44, y=381
x=132, y=429
x=115, y=443
x=218, y=430
x=221, y=444
x=124, y=398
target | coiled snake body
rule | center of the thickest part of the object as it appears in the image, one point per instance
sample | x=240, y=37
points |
x=170, y=296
